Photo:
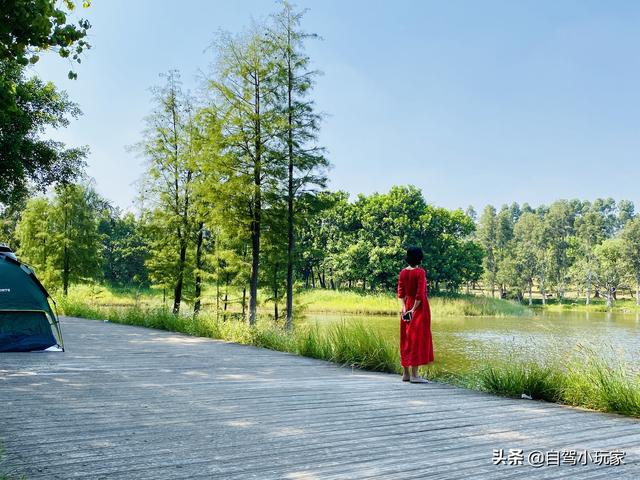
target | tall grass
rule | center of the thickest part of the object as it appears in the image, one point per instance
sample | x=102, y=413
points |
x=585, y=377
x=597, y=382
x=517, y=379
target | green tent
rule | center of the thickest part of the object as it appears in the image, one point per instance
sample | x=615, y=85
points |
x=27, y=321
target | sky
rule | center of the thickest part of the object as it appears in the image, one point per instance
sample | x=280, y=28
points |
x=474, y=102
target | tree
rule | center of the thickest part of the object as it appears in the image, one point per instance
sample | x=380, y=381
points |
x=29, y=26
x=76, y=235
x=504, y=233
x=558, y=224
x=34, y=233
x=246, y=106
x=630, y=236
x=304, y=159
x=527, y=244
x=487, y=236
x=124, y=249
x=610, y=267
x=589, y=232
x=470, y=263
x=27, y=108
x=60, y=238
x=626, y=212
x=168, y=185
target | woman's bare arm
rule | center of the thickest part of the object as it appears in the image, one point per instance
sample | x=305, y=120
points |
x=416, y=304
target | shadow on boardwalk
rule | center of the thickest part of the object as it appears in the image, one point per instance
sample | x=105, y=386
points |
x=130, y=403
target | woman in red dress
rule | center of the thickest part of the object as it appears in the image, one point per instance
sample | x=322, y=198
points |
x=416, y=346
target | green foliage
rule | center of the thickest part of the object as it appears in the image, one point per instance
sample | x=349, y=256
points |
x=610, y=267
x=558, y=248
x=124, y=249
x=170, y=219
x=631, y=243
x=303, y=160
x=59, y=238
x=29, y=26
x=487, y=237
x=363, y=243
x=27, y=108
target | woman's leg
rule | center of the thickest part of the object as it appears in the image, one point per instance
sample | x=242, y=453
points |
x=415, y=378
x=405, y=373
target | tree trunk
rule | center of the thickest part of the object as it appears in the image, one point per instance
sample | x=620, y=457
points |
x=589, y=287
x=244, y=301
x=177, y=292
x=257, y=206
x=609, y=298
x=530, y=293
x=638, y=291
x=196, y=305
x=66, y=266
x=542, y=292
x=65, y=271
x=218, y=291
x=275, y=292
x=290, y=192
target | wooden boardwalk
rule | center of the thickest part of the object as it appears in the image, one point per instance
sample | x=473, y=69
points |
x=131, y=403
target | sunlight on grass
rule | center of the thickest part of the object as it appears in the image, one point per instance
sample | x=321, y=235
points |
x=312, y=301
x=351, y=302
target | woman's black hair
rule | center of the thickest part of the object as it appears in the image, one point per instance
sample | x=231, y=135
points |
x=414, y=256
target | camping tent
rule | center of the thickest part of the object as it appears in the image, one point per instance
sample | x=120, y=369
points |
x=27, y=321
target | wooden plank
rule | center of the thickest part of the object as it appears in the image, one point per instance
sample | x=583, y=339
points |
x=127, y=402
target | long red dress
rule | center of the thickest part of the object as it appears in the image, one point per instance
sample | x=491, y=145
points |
x=416, y=345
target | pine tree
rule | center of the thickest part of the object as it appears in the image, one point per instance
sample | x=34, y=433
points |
x=305, y=162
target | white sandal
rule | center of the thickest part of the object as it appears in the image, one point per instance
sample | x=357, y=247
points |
x=419, y=380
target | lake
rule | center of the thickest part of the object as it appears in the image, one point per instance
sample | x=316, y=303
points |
x=461, y=342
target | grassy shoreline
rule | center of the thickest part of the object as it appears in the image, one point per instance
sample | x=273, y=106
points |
x=579, y=378
x=596, y=305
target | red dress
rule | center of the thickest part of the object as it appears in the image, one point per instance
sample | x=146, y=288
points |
x=416, y=345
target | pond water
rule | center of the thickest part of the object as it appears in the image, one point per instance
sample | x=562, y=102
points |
x=461, y=342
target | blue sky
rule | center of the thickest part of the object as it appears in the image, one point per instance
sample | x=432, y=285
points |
x=475, y=102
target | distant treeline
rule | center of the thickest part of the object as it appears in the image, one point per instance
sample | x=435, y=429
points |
x=77, y=237
x=590, y=247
